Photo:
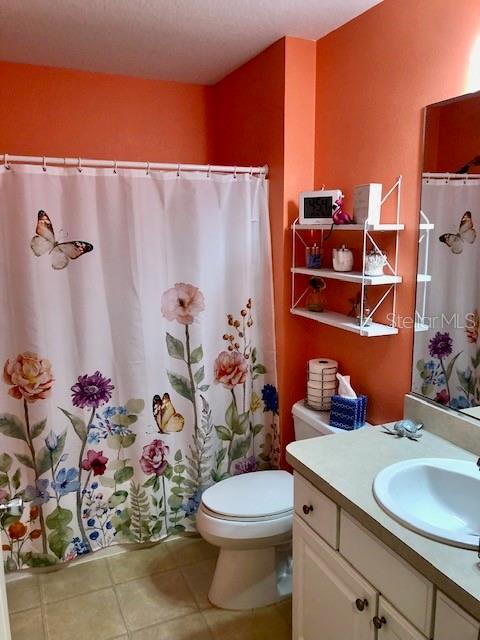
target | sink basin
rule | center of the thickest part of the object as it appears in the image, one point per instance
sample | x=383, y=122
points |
x=437, y=497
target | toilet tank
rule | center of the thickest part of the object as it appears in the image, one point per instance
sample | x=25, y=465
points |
x=311, y=424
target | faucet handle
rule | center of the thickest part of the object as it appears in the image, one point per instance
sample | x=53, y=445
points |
x=14, y=507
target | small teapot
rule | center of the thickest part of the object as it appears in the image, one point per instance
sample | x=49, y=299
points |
x=342, y=259
x=374, y=262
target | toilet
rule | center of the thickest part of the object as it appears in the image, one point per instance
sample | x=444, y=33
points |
x=249, y=517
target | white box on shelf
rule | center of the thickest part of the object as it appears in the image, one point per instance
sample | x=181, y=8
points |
x=367, y=203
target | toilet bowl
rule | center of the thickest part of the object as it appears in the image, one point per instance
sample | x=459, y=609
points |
x=250, y=516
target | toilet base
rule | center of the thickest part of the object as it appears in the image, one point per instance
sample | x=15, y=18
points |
x=250, y=578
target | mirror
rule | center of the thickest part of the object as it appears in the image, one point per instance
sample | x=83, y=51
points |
x=446, y=357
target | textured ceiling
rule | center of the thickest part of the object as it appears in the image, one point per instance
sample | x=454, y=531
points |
x=197, y=41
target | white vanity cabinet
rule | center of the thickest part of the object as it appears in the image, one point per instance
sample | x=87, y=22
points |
x=348, y=585
x=452, y=623
x=393, y=626
x=331, y=600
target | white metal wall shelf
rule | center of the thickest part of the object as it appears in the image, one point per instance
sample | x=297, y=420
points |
x=342, y=321
x=348, y=276
x=367, y=327
x=349, y=227
x=423, y=277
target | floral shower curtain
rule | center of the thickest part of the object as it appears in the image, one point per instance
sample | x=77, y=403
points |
x=447, y=355
x=137, y=344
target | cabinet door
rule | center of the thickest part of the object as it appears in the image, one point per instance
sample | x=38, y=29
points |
x=325, y=592
x=394, y=626
x=453, y=622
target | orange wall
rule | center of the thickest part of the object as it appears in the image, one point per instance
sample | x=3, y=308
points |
x=374, y=77
x=264, y=112
x=300, y=66
x=47, y=111
x=452, y=136
x=247, y=113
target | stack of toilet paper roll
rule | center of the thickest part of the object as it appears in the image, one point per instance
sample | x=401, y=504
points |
x=321, y=383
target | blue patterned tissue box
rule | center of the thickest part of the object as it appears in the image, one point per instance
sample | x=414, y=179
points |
x=348, y=413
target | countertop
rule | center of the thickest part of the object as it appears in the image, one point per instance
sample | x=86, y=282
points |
x=343, y=468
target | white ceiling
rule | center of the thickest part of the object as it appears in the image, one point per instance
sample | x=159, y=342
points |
x=197, y=41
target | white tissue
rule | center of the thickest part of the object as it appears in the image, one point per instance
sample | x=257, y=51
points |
x=344, y=387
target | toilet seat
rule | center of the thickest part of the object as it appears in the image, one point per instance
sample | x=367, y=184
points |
x=255, y=496
x=234, y=533
x=221, y=516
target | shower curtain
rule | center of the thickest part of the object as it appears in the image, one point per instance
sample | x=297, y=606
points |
x=447, y=355
x=138, y=352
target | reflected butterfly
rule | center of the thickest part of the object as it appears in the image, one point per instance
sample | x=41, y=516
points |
x=466, y=233
x=166, y=416
x=61, y=252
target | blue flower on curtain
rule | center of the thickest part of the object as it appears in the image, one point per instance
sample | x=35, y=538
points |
x=37, y=494
x=270, y=398
x=66, y=481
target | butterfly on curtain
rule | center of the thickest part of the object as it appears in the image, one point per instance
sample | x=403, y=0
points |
x=61, y=252
x=466, y=233
x=166, y=416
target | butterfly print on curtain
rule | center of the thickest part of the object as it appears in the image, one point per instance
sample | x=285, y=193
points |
x=466, y=233
x=44, y=241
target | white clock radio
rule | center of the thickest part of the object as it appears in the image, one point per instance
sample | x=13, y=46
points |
x=317, y=207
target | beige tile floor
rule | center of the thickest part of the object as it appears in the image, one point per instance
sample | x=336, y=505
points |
x=159, y=593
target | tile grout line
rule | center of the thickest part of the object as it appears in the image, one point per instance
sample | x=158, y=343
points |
x=117, y=600
x=42, y=610
x=113, y=585
x=124, y=620
x=79, y=594
x=190, y=591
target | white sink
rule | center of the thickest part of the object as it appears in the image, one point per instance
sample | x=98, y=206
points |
x=436, y=497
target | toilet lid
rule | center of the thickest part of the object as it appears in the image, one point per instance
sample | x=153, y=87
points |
x=250, y=495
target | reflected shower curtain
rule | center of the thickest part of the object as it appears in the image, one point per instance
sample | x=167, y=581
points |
x=447, y=355
x=138, y=354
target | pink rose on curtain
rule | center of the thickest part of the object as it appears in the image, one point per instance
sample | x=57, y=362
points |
x=182, y=303
x=154, y=458
x=230, y=369
x=30, y=377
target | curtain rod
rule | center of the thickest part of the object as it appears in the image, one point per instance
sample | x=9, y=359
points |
x=452, y=176
x=7, y=159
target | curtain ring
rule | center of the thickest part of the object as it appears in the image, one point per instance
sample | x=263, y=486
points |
x=79, y=168
x=44, y=167
x=178, y=171
x=148, y=169
x=115, y=167
x=209, y=172
x=5, y=162
x=235, y=173
x=251, y=172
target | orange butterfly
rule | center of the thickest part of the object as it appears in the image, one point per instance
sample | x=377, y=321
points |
x=166, y=416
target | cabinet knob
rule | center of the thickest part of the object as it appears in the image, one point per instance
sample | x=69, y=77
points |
x=379, y=622
x=307, y=508
x=361, y=604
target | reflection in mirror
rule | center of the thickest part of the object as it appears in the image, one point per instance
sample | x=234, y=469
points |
x=446, y=360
